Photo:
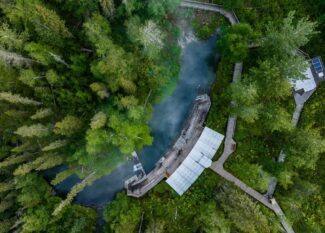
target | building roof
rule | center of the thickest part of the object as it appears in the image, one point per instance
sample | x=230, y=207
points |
x=197, y=160
x=307, y=84
x=313, y=75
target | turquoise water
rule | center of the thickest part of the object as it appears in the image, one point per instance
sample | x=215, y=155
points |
x=196, y=77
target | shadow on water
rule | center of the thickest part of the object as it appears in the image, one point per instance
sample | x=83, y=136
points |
x=197, y=75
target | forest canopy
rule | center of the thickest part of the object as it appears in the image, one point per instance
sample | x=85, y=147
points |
x=78, y=80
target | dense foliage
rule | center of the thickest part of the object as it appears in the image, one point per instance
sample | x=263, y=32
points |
x=78, y=80
x=207, y=207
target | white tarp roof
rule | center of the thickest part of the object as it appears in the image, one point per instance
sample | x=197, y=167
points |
x=307, y=84
x=197, y=160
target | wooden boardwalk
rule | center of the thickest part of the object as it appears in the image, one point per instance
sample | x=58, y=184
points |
x=230, y=15
x=176, y=154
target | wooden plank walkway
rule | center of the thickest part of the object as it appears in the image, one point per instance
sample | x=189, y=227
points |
x=176, y=154
x=230, y=15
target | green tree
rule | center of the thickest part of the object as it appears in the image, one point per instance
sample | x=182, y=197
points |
x=42, y=113
x=33, y=190
x=73, y=192
x=68, y=126
x=17, y=99
x=36, y=130
x=160, y=9
x=261, y=98
x=41, y=53
x=123, y=216
x=5, y=225
x=156, y=226
x=5, y=187
x=10, y=39
x=281, y=41
x=28, y=77
x=15, y=59
x=212, y=220
x=242, y=211
x=303, y=148
x=234, y=44
x=14, y=159
x=128, y=135
x=98, y=121
x=97, y=141
x=245, y=100
x=107, y=7
x=59, y=177
x=233, y=4
x=100, y=90
x=43, y=162
x=55, y=145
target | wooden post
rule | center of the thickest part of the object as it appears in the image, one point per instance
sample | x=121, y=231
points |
x=141, y=222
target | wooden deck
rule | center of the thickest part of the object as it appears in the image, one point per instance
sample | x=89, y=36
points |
x=176, y=154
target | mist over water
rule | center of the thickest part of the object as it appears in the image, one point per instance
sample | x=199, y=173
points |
x=196, y=77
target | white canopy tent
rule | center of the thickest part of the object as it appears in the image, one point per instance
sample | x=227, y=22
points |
x=197, y=160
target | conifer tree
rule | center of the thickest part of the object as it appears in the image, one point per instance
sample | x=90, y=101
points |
x=61, y=176
x=68, y=126
x=5, y=187
x=14, y=159
x=99, y=89
x=49, y=19
x=40, y=52
x=28, y=77
x=97, y=141
x=36, y=130
x=243, y=212
x=73, y=192
x=283, y=41
x=55, y=145
x=42, y=113
x=9, y=39
x=51, y=160
x=52, y=77
x=107, y=7
x=98, y=121
x=6, y=224
x=5, y=205
x=17, y=99
x=152, y=38
x=15, y=59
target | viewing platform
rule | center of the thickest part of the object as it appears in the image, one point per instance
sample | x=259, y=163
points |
x=137, y=186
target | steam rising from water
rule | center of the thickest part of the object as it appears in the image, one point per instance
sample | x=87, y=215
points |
x=197, y=75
